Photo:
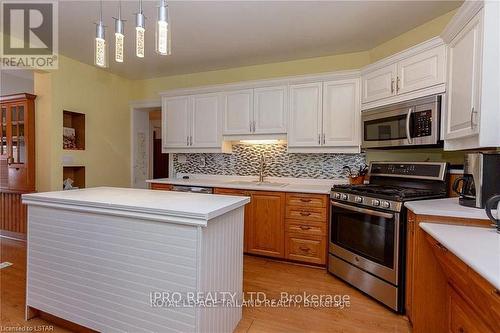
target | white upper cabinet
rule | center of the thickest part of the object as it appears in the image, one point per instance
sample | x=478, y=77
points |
x=472, y=108
x=425, y=69
x=238, y=112
x=270, y=110
x=206, y=131
x=341, y=113
x=192, y=124
x=416, y=72
x=305, y=115
x=175, y=119
x=464, y=81
x=380, y=83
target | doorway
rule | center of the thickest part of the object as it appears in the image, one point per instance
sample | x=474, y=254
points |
x=147, y=159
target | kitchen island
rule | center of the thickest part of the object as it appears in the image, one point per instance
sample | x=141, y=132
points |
x=115, y=259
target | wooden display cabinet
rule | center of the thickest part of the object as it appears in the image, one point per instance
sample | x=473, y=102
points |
x=17, y=159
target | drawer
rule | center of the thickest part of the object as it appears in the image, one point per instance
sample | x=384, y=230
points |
x=159, y=186
x=306, y=213
x=306, y=228
x=310, y=249
x=486, y=300
x=306, y=200
x=463, y=319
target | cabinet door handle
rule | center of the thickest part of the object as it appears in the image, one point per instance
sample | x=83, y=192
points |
x=319, y=139
x=472, y=111
x=324, y=138
x=397, y=84
x=392, y=86
x=190, y=140
x=187, y=140
x=305, y=213
x=253, y=126
x=305, y=200
x=304, y=249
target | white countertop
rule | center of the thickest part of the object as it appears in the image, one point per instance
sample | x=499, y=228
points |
x=447, y=207
x=478, y=247
x=166, y=206
x=300, y=185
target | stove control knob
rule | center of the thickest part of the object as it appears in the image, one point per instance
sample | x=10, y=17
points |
x=337, y=195
x=344, y=196
x=358, y=199
x=376, y=202
x=386, y=204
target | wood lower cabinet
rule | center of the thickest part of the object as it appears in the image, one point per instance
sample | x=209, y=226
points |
x=443, y=294
x=162, y=187
x=306, y=227
x=266, y=228
x=284, y=225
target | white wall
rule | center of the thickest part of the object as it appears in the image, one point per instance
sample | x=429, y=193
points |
x=16, y=81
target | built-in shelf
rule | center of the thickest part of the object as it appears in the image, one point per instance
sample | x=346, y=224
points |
x=76, y=173
x=75, y=121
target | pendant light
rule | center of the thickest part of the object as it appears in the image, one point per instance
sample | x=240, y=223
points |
x=140, y=21
x=163, y=34
x=119, y=34
x=100, y=47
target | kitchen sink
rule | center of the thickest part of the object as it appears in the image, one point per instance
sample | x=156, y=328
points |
x=257, y=183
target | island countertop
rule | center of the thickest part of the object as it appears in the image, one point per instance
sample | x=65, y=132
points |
x=185, y=208
x=477, y=247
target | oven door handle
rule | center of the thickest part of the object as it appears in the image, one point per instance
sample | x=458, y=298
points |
x=362, y=210
x=408, y=118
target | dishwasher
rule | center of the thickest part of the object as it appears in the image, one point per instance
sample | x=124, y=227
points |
x=192, y=189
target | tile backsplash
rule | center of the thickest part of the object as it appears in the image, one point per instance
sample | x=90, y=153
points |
x=245, y=161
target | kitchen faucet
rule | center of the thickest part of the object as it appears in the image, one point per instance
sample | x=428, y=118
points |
x=261, y=168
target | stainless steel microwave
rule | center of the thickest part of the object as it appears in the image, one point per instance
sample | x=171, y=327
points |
x=410, y=123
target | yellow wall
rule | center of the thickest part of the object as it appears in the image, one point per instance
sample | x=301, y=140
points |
x=149, y=89
x=104, y=98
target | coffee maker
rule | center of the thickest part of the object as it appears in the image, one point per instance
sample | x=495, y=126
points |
x=481, y=179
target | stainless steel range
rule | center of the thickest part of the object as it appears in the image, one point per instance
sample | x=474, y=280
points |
x=368, y=226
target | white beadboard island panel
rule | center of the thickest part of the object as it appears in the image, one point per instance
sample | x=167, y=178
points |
x=97, y=268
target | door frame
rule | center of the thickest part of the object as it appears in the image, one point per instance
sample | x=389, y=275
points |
x=139, y=120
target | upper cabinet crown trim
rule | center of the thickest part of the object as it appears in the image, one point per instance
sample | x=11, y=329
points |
x=463, y=16
x=337, y=75
x=419, y=48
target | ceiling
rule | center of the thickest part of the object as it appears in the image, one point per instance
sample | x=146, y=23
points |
x=210, y=35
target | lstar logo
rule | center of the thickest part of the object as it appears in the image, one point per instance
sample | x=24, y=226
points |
x=29, y=35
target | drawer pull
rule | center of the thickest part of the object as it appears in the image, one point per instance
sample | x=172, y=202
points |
x=304, y=249
x=304, y=227
x=305, y=200
x=305, y=213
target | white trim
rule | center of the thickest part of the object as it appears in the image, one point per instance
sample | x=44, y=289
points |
x=424, y=46
x=146, y=103
x=465, y=13
x=263, y=83
x=438, y=89
x=322, y=149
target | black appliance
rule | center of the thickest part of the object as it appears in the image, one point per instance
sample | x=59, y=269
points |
x=480, y=181
x=368, y=226
x=492, y=204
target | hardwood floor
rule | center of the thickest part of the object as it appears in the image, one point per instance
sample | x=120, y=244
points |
x=260, y=275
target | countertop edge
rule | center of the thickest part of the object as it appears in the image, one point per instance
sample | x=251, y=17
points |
x=138, y=212
x=427, y=227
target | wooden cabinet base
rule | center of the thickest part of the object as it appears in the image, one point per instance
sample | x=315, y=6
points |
x=12, y=214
